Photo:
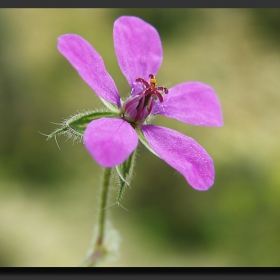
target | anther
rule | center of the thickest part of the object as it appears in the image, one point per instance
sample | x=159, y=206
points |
x=153, y=81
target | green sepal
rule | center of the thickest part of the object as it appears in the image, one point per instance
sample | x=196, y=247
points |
x=74, y=126
x=144, y=141
x=79, y=123
x=110, y=106
x=125, y=172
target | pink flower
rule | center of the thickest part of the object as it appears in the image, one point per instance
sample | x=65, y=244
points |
x=110, y=141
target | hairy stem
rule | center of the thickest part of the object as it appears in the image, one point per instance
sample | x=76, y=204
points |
x=104, y=200
x=98, y=250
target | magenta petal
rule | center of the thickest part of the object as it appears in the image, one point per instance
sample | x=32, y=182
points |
x=138, y=48
x=89, y=64
x=182, y=153
x=193, y=103
x=110, y=141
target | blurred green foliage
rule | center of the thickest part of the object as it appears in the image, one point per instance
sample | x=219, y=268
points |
x=49, y=197
x=267, y=23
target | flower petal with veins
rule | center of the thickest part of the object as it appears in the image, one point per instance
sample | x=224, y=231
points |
x=193, y=103
x=110, y=141
x=89, y=64
x=182, y=153
x=138, y=48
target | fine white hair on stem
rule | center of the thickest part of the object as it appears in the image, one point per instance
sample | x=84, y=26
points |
x=114, y=204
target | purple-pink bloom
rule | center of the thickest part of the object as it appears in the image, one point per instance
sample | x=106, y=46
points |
x=110, y=141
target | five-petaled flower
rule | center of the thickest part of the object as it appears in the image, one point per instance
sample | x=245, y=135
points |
x=110, y=141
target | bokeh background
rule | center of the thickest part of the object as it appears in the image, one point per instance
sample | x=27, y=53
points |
x=49, y=197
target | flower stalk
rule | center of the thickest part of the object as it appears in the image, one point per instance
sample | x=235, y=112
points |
x=98, y=250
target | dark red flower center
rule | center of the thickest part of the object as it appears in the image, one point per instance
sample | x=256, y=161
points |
x=139, y=105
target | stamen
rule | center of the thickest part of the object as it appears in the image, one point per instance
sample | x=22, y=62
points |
x=155, y=92
x=147, y=91
x=141, y=80
x=138, y=107
x=163, y=89
x=159, y=96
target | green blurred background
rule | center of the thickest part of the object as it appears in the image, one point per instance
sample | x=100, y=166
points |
x=49, y=197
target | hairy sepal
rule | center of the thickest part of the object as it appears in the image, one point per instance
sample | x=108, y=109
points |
x=143, y=140
x=75, y=125
x=125, y=173
x=111, y=106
